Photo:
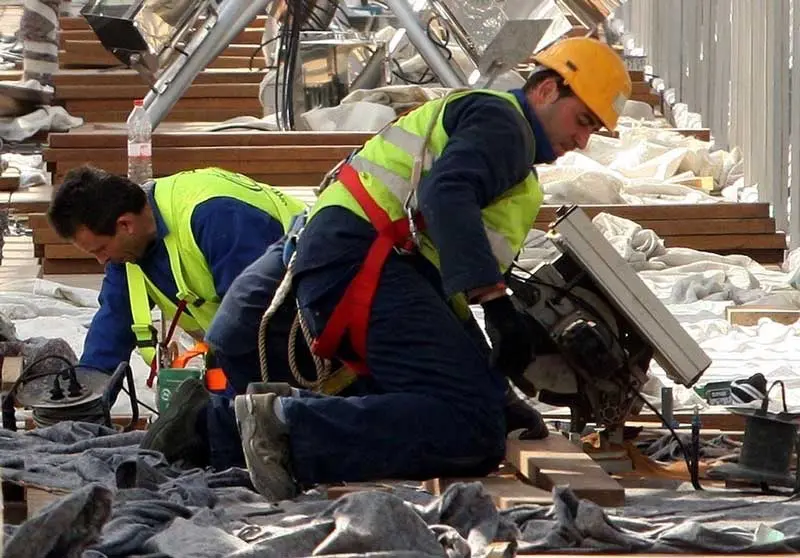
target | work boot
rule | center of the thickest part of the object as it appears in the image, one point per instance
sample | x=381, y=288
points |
x=265, y=443
x=281, y=389
x=175, y=432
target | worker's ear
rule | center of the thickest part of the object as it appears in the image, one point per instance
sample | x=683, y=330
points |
x=545, y=92
x=126, y=223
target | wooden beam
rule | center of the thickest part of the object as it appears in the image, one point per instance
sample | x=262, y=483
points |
x=555, y=461
x=751, y=315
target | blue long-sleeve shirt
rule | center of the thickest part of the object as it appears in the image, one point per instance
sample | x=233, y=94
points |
x=487, y=154
x=230, y=233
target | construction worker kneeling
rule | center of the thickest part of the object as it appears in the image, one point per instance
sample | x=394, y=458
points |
x=424, y=220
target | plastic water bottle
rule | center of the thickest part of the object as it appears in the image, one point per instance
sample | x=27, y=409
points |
x=140, y=145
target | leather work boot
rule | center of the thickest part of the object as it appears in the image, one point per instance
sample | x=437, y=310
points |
x=265, y=443
x=175, y=432
x=281, y=389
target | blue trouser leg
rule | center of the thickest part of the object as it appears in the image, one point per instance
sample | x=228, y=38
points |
x=233, y=334
x=437, y=408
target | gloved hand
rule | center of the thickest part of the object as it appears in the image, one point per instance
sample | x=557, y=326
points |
x=520, y=415
x=512, y=339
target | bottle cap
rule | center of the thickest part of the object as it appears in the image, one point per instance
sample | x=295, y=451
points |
x=138, y=102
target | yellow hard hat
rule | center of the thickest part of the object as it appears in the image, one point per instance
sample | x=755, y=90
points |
x=595, y=73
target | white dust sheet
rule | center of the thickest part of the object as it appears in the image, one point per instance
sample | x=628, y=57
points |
x=641, y=167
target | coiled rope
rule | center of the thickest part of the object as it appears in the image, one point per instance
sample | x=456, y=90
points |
x=323, y=366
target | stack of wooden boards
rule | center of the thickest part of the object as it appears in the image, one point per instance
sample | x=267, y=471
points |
x=641, y=90
x=98, y=95
x=297, y=162
x=80, y=47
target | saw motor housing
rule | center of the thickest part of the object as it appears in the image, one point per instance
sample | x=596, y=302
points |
x=597, y=327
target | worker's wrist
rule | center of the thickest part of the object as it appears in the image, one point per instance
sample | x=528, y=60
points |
x=481, y=295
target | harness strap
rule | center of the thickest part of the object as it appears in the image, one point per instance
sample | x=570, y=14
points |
x=352, y=312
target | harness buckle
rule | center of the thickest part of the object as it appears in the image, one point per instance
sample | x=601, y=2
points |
x=139, y=331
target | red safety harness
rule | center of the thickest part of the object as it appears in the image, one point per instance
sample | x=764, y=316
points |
x=351, y=314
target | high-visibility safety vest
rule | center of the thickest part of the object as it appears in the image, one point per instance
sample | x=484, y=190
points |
x=379, y=184
x=176, y=197
x=386, y=167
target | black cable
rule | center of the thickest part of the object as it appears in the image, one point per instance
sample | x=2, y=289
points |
x=257, y=50
x=47, y=417
x=442, y=43
x=693, y=471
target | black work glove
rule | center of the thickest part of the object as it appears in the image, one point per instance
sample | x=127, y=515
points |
x=512, y=339
x=520, y=415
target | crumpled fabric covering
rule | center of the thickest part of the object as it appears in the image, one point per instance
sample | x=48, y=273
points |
x=160, y=511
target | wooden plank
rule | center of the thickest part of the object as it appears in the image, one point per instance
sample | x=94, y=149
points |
x=108, y=135
x=304, y=180
x=10, y=370
x=116, y=77
x=176, y=115
x=95, y=48
x=130, y=92
x=728, y=242
x=766, y=256
x=505, y=491
x=164, y=167
x=722, y=210
x=699, y=226
x=70, y=267
x=558, y=462
x=750, y=315
x=112, y=105
x=250, y=35
x=47, y=236
x=65, y=252
x=290, y=154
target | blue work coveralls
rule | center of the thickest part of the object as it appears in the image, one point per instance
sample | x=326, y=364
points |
x=431, y=392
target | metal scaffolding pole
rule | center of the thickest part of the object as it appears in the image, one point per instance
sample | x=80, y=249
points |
x=449, y=76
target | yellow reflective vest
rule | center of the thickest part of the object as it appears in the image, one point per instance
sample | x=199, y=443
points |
x=176, y=197
x=391, y=163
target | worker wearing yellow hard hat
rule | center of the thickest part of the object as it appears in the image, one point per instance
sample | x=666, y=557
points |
x=594, y=73
x=422, y=222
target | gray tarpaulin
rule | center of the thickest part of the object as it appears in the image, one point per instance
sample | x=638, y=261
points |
x=130, y=503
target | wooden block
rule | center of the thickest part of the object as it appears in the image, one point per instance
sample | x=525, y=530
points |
x=506, y=492
x=22, y=501
x=750, y=315
x=38, y=498
x=702, y=183
x=65, y=252
x=10, y=370
x=559, y=462
x=70, y=267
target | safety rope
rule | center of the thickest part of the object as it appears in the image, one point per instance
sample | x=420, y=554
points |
x=323, y=367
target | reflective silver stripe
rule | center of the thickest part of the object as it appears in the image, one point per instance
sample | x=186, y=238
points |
x=500, y=248
x=398, y=185
x=410, y=143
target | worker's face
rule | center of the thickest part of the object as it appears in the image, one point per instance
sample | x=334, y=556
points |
x=127, y=244
x=567, y=122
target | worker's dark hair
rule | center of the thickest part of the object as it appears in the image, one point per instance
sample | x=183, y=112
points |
x=541, y=74
x=95, y=199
